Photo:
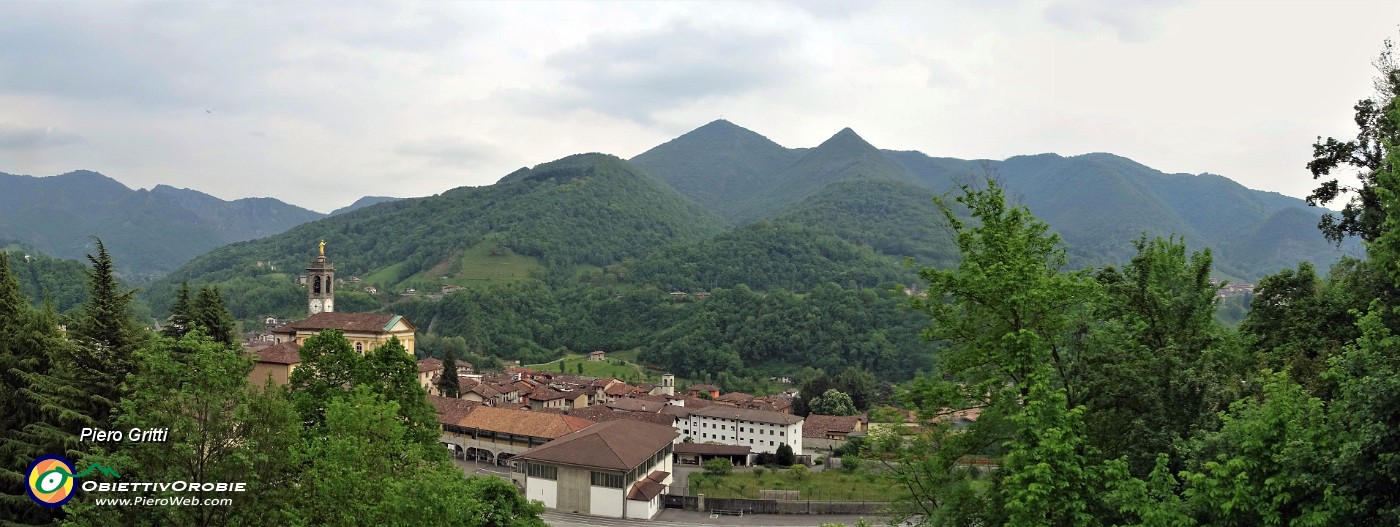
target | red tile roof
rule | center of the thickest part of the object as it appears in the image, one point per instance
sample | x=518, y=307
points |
x=284, y=353
x=648, y=487
x=523, y=422
x=615, y=445
x=449, y=410
x=429, y=364
x=819, y=426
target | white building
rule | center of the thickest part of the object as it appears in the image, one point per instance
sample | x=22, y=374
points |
x=760, y=430
x=618, y=469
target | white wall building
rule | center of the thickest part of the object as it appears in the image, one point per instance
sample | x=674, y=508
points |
x=760, y=430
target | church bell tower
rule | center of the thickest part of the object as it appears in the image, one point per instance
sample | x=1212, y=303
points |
x=320, y=281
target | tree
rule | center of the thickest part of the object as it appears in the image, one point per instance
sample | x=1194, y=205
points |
x=106, y=336
x=39, y=399
x=1379, y=132
x=718, y=466
x=209, y=313
x=181, y=313
x=392, y=373
x=218, y=430
x=833, y=402
x=784, y=455
x=448, y=384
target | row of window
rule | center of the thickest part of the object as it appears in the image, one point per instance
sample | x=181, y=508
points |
x=605, y=479
x=756, y=430
x=535, y=470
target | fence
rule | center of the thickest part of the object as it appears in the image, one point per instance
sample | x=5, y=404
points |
x=748, y=506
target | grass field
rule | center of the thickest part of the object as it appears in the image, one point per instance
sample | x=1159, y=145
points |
x=833, y=485
x=627, y=371
x=476, y=266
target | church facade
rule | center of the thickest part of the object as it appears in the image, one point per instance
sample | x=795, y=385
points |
x=365, y=331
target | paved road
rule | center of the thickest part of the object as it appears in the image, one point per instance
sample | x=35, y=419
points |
x=680, y=518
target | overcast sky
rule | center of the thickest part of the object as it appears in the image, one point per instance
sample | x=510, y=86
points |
x=319, y=103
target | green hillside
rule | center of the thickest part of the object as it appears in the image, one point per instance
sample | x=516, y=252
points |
x=149, y=232
x=719, y=165
x=583, y=210
x=892, y=217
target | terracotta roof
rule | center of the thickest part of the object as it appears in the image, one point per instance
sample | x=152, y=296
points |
x=637, y=405
x=681, y=412
x=734, y=397
x=619, y=389
x=523, y=422
x=430, y=364
x=704, y=388
x=603, y=413
x=745, y=414
x=615, y=445
x=449, y=410
x=361, y=322
x=818, y=426
x=695, y=403
x=712, y=450
x=649, y=487
x=545, y=394
x=284, y=353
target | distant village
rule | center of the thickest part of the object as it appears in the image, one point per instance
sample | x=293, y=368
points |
x=596, y=446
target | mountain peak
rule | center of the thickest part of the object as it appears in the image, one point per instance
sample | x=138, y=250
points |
x=846, y=140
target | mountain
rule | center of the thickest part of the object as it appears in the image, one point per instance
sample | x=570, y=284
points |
x=362, y=203
x=579, y=212
x=1097, y=202
x=718, y=165
x=148, y=232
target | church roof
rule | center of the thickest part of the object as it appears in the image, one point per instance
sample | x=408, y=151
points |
x=358, y=322
x=284, y=353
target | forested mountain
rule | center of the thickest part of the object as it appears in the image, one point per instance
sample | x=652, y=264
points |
x=362, y=203
x=44, y=278
x=586, y=210
x=1097, y=202
x=150, y=231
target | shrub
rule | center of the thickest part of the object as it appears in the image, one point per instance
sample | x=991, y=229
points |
x=799, y=472
x=850, y=463
x=784, y=456
x=758, y=471
x=718, y=466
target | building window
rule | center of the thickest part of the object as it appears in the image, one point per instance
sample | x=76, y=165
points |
x=604, y=479
x=542, y=471
x=783, y=433
x=360, y=347
x=770, y=443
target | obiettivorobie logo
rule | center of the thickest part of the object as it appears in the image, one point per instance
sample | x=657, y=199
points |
x=51, y=479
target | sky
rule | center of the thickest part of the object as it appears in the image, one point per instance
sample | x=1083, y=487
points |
x=319, y=103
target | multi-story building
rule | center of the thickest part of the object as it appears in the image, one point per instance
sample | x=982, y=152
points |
x=761, y=430
x=618, y=469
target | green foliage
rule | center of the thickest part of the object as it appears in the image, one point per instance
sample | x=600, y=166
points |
x=784, y=456
x=833, y=402
x=105, y=337
x=1049, y=478
x=799, y=472
x=1379, y=124
x=47, y=279
x=208, y=312
x=449, y=384
x=765, y=256
x=850, y=462
x=718, y=466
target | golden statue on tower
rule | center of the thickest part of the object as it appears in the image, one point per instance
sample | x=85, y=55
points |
x=323, y=247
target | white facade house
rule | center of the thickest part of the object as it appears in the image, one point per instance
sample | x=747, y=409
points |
x=761, y=430
x=617, y=469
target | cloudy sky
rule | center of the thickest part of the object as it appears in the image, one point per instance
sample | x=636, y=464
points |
x=318, y=103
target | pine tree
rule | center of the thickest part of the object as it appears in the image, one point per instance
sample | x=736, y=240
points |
x=36, y=399
x=448, y=384
x=106, y=336
x=208, y=312
x=180, y=314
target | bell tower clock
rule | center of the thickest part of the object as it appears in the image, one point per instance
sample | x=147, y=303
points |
x=320, y=281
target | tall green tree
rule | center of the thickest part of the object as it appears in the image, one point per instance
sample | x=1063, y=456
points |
x=1378, y=132
x=209, y=313
x=833, y=402
x=38, y=399
x=181, y=313
x=448, y=384
x=105, y=337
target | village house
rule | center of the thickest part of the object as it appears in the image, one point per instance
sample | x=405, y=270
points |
x=829, y=432
x=617, y=469
x=428, y=371
x=597, y=356
x=709, y=389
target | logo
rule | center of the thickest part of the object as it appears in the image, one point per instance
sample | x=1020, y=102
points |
x=51, y=479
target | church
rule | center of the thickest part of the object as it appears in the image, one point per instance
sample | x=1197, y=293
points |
x=365, y=331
